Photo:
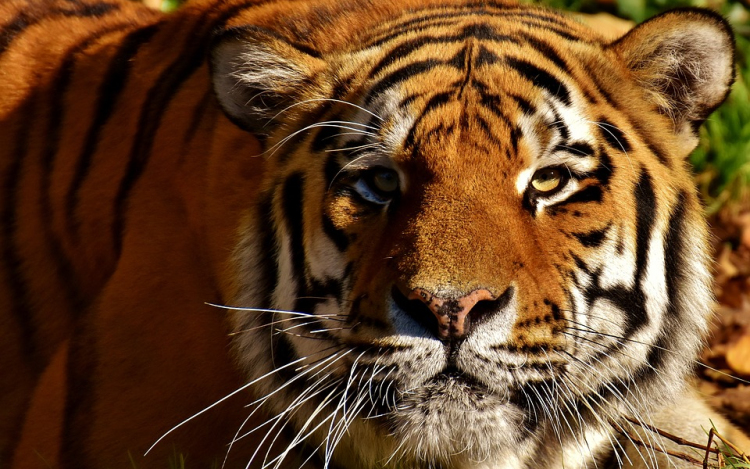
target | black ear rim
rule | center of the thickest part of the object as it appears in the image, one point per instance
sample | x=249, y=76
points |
x=720, y=21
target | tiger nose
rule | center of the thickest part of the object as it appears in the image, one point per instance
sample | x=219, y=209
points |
x=454, y=315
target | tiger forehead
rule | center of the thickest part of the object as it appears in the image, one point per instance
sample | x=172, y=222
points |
x=481, y=73
x=465, y=94
x=392, y=22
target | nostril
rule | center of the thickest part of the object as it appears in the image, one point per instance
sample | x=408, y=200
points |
x=418, y=311
x=485, y=309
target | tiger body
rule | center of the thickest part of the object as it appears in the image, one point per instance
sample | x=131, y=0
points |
x=439, y=234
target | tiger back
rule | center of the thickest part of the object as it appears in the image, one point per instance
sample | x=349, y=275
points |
x=350, y=234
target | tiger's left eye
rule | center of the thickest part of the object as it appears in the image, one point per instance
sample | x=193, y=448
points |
x=385, y=181
x=547, y=180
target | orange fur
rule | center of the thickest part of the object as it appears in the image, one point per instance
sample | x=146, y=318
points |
x=131, y=194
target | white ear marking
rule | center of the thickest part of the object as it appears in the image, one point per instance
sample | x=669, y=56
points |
x=684, y=60
x=256, y=73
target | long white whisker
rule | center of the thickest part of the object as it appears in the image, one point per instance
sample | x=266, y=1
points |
x=313, y=100
x=333, y=124
x=233, y=393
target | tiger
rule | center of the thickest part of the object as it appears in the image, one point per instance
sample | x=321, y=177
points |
x=455, y=234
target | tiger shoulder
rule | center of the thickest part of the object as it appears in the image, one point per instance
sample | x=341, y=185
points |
x=351, y=234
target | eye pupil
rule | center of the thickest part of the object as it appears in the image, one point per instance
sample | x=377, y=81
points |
x=385, y=181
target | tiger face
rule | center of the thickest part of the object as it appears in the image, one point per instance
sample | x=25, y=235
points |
x=478, y=232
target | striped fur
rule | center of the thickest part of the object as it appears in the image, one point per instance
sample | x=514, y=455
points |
x=248, y=199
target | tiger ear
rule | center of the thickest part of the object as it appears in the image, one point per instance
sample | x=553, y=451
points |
x=256, y=74
x=684, y=59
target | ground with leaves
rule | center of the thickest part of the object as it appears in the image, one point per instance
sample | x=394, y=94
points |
x=729, y=344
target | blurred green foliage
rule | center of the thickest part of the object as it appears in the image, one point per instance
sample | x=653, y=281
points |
x=722, y=160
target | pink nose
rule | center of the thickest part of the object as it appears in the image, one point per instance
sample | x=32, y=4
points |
x=451, y=313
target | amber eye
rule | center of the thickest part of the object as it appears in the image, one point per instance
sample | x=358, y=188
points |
x=385, y=181
x=547, y=180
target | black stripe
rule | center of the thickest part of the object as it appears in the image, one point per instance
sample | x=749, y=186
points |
x=268, y=257
x=432, y=20
x=83, y=361
x=588, y=194
x=613, y=135
x=410, y=99
x=547, y=51
x=292, y=197
x=645, y=135
x=652, y=146
x=675, y=257
x=22, y=21
x=284, y=354
x=478, y=31
x=592, y=239
x=487, y=129
x=559, y=124
x=563, y=32
x=435, y=102
x=523, y=104
x=17, y=25
x=396, y=32
x=339, y=238
x=515, y=135
x=325, y=137
x=579, y=149
x=468, y=67
x=645, y=212
x=491, y=102
x=87, y=10
x=657, y=354
x=115, y=78
x=540, y=15
x=57, y=113
x=604, y=171
x=607, y=456
x=402, y=74
x=157, y=101
x=486, y=57
x=331, y=169
x=540, y=78
x=21, y=299
x=198, y=114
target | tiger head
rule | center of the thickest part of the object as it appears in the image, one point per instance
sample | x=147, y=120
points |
x=478, y=231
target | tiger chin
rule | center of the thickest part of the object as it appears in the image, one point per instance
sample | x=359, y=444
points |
x=355, y=234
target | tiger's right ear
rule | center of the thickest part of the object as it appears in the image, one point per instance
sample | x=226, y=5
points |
x=256, y=74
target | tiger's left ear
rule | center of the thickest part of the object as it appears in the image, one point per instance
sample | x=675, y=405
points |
x=257, y=73
x=684, y=60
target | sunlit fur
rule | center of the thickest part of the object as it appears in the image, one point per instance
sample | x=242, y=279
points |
x=197, y=259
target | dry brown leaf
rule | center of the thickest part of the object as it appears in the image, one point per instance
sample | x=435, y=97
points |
x=609, y=26
x=738, y=356
x=726, y=267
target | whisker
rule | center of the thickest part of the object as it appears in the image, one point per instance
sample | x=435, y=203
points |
x=339, y=101
x=333, y=124
x=279, y=321
x=233, y=393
